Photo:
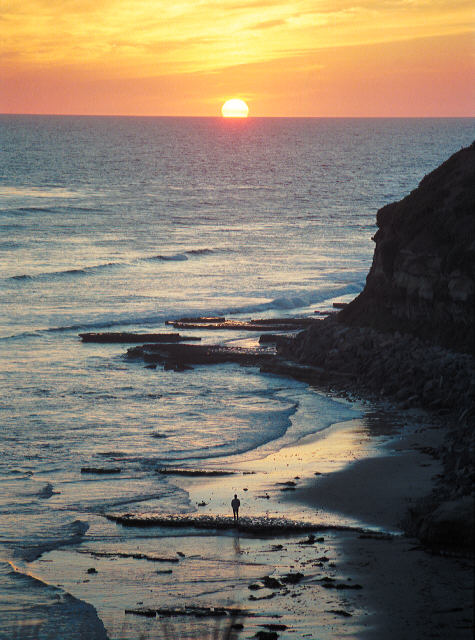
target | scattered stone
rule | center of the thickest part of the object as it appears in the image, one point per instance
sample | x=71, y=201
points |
x=259, y=524
x=192, y=611
x=267, y=597
x=124, y=554
x=331, y=583
x=292, y=578
x=271, y=583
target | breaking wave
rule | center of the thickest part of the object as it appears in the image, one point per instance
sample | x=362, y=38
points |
x=98, y=268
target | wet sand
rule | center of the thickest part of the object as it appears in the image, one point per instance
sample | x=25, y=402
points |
x=346, y=584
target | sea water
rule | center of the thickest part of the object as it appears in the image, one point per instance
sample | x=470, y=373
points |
x=124, y=223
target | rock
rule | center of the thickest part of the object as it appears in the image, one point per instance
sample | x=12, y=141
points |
x=137, y=338
x=331, y=583
x=123, y=554
x=450, y=524
x=179, y=357
x=271, y=583
x=101, y=470
x=91, y=570
x=148, y=613
x=292, y=578
x=182, y=471
x=198, y=320
x=266, y=635
x=192, y=611
x=422, y=279
x=267, y=597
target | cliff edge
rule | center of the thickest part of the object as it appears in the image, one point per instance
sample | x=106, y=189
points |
x=422, y=280
x=410, y=335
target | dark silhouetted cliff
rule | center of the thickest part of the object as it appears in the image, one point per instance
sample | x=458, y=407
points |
x=422, y=280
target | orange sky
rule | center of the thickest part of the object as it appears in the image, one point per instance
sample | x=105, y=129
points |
x=285, y=58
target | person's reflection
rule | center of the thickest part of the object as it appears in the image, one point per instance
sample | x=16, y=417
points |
x=237, y=544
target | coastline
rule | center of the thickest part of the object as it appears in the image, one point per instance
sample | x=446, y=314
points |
x=404, y=583
x=358, y=576
x=370, y=473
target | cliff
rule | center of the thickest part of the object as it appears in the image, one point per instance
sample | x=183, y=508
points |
x=410, y=335
x=422, y=280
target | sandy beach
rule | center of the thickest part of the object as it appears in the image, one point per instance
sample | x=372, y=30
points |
x=357, y=576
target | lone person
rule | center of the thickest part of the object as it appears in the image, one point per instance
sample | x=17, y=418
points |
x=235, y=503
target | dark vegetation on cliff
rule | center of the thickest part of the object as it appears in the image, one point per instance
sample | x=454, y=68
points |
x=410, y=335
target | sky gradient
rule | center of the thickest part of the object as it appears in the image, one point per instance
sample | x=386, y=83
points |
x=284, y=58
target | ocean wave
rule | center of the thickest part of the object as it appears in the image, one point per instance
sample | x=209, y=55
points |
x=286, y=302
x=65, y=273
x=300, y=299
x=178, y=257
x=99, y=268
x=35, y=209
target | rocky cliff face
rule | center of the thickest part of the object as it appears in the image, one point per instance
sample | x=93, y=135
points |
x=422, y=280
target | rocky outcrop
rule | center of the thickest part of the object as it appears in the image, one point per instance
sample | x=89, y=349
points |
x=410, y=335
x=392, y=365
x=422, y=280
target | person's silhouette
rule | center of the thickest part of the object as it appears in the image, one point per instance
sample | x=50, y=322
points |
x=235, y=503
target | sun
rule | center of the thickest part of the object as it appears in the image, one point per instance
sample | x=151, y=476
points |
x=235, y=108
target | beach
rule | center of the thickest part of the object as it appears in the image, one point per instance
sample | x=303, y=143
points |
x=357, y=575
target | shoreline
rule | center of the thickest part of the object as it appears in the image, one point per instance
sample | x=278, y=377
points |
x=375, y=491
x=344, y=588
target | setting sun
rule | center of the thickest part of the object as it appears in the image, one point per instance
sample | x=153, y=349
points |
x=235, y=108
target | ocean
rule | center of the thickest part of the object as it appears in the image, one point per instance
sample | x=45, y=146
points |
x=122, y=223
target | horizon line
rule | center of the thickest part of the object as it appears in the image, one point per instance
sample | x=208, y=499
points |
x=220, y=117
